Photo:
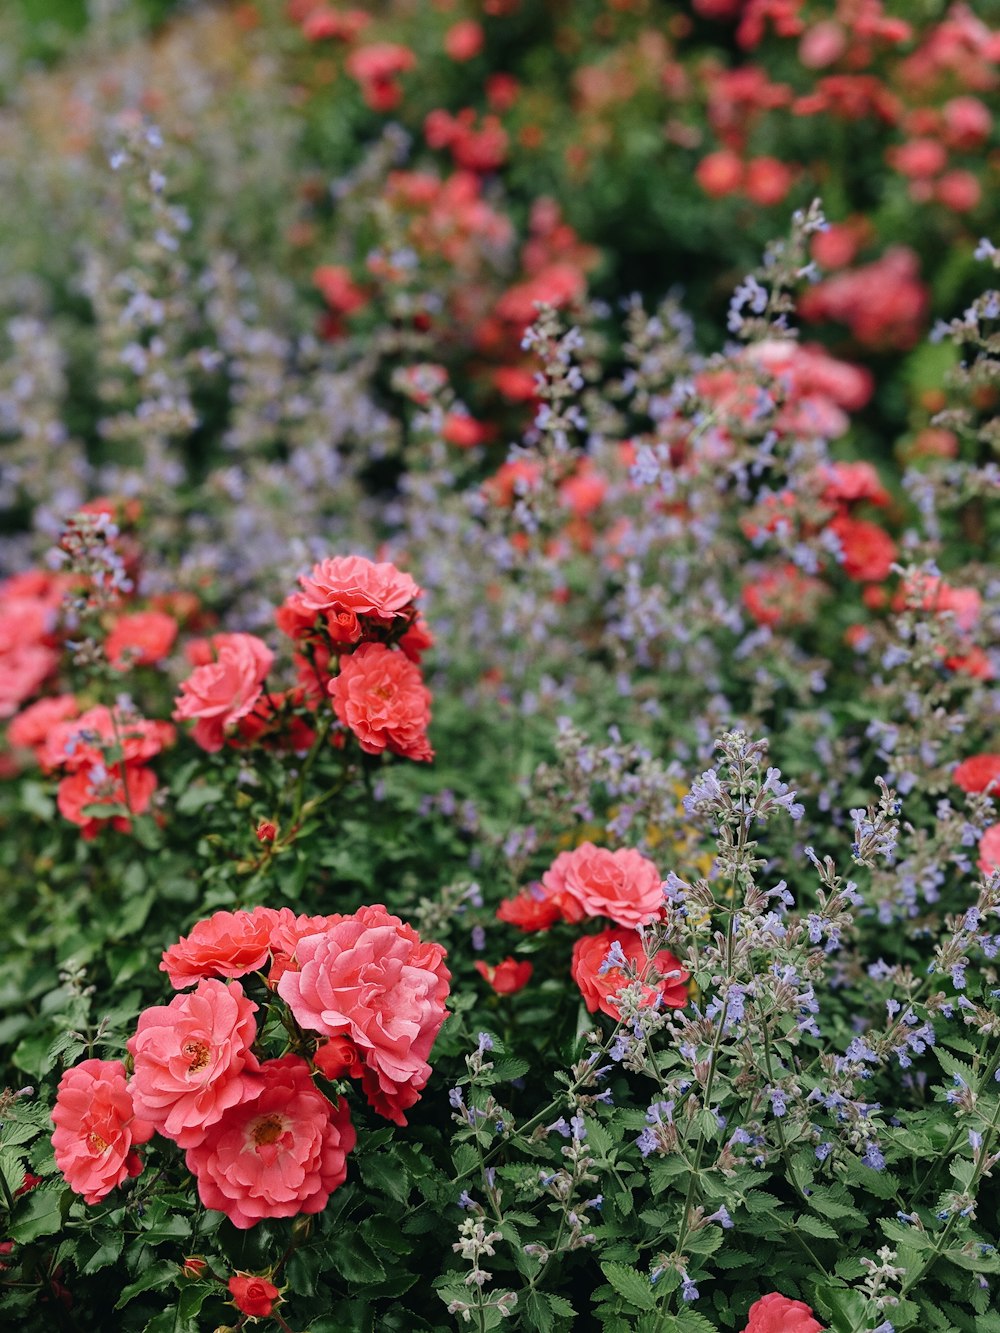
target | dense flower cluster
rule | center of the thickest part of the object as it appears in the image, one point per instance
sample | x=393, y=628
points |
x=261, y=1140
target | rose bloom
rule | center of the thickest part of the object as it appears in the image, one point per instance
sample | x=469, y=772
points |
x=531, y=909
x=589, y=955
x=775, y=1313
x=219, y=693
x=381, y=697
x=226, y=944
x=96, y=1128
x=30, y=729
x=850, y=483
x=285, y=932
x=337, y=1057
x=371, y=978
x=464, y=40
x=622, y=885
x=868, y=550
x=989, y=850
x=280, y=1152
x=130, y=786
x=101, y=735
x=350, y=583
x=190, y=1057
x=253, y=1296
x=140, y=639
x=506, y=977
x=980, y=773
x=719, y=173
x=783, y=595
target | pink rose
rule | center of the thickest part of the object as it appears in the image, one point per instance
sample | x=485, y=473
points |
x=190, y=1060
x=352, y=583
x=219, y=693
x=226, y=944
x=371, y=978
x=621, y=885
x=775, y=1313
x=31, y=728
x=128, y=786
x=104, y=736
x=140, y=639
x=380, y=695
x=599, y=983
x=989, y=850
x=279, y=1152
x=96, y=1128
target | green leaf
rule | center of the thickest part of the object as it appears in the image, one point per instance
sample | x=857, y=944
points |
x=356, y=1261
x=40, y=1214
x=813, y=1226
x=106, y=1250
x=384, y=1174
x=154, y=1279
x=630, y=1284
x=197, y=797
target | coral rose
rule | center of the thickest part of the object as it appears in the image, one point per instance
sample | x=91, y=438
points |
x=775, y=1313
x=140, y=639
x=96, y=1128
x=31, y=728
x=371, y=978
x=219, y=693
x=253, y=1296
x=281, y=1151
x=531, y=909
x=989, y=850
x=380, y=695
x=599, y=983
x=226, y=944
x=190, y=1057
x=621, y=885
x=868, y=550
x=507, y=977
x=352, y=583
x=124, y=787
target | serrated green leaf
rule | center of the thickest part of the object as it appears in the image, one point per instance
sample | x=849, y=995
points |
x=631, y=1284
x=39, y=1213
x=814, y=1226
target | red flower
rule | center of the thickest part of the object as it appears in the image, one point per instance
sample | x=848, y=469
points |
x=254, y=1296
x=226, y=944
x=532, y=909
x=868, y=550
x=775, y=1313
x=599, y=984
x=980, y=773
x=140, y=639
x=989, y=850
x=507, y=977
x=222, y=692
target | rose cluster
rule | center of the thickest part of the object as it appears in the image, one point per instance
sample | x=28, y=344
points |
x=625, y=887
x=260, y=1137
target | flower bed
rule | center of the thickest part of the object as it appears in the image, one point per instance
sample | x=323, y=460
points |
x=499, y=789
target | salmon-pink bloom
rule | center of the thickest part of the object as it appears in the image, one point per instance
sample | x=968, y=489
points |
x=280, y=1152
x=371, y=978
x=464, y=40
x=622, y=885
x=989, y=850
x=226, y=944
x=350, y=583
x=103, y=736
x=286, y=929
x=532, y=909
x=31, y=728
x=140, y=639
x=775, y=1313
x=720, y=173
x=600, y=978
x=380, y=695
x=121, y=787
x=191, y=1058
x=219, y=693
x=96, y=1129
x=850, y=483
